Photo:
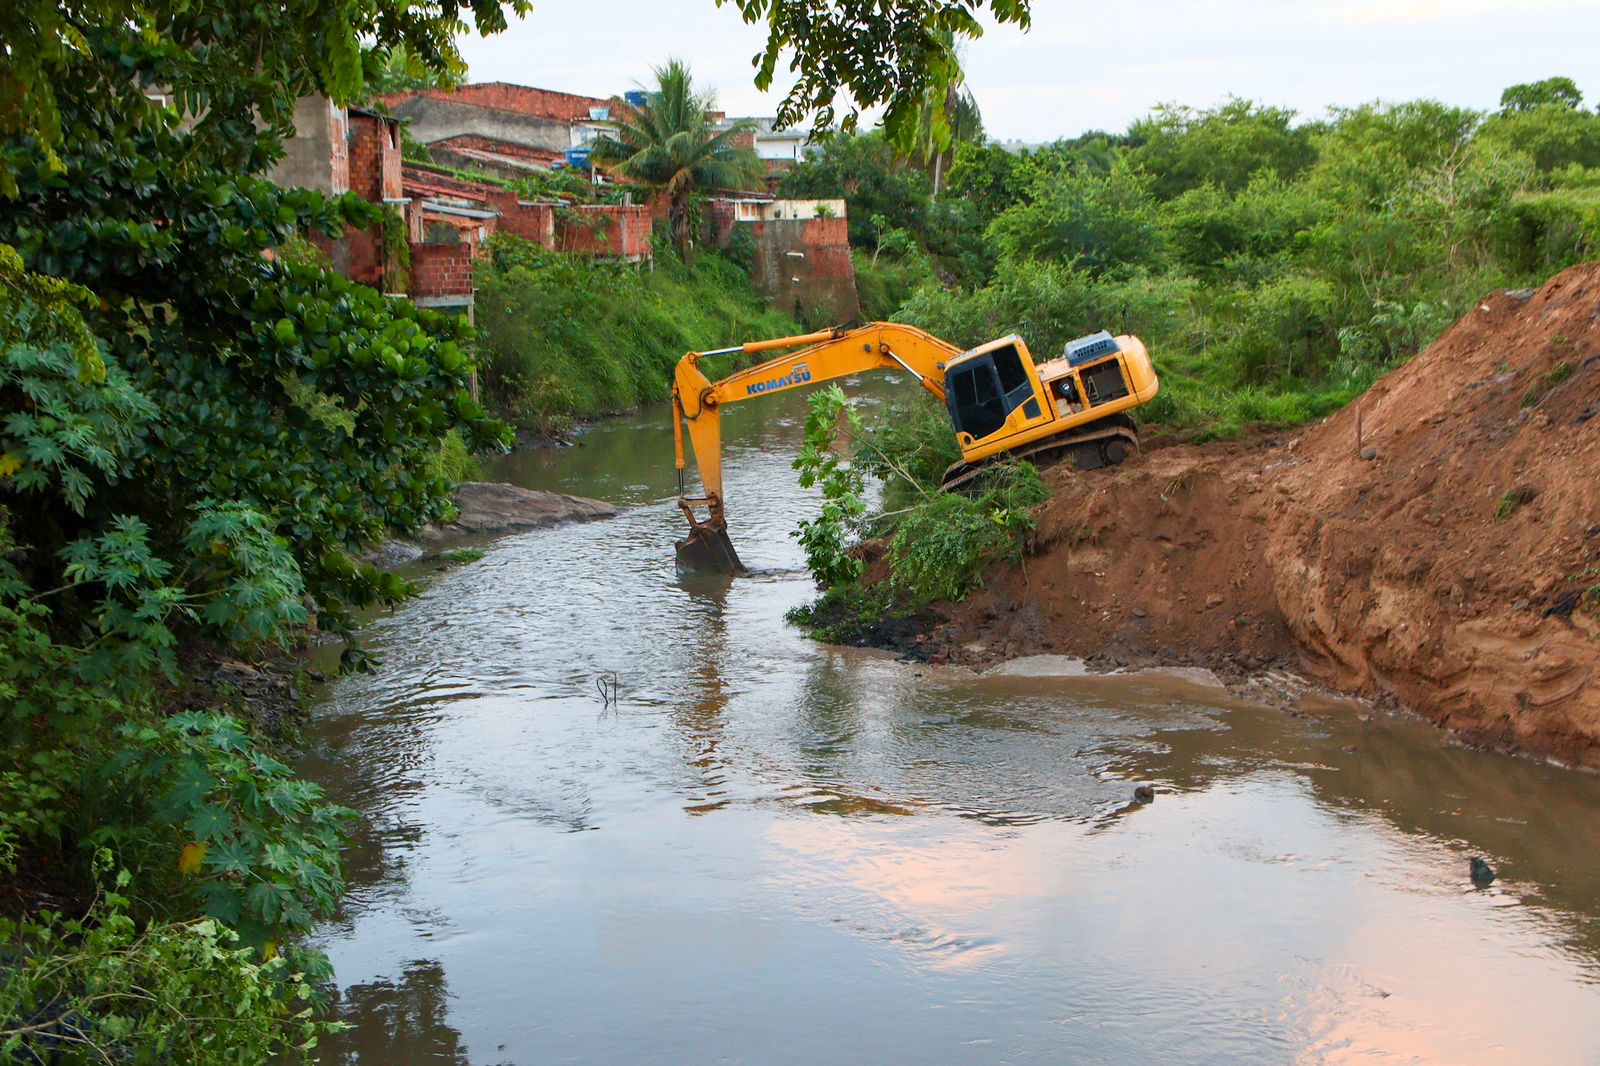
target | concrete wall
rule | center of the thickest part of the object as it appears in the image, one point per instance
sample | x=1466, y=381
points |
x=433, y=119
x=819, y=278
x=316, y=157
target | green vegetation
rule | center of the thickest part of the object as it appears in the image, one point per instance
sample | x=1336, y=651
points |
x=1547, y=381
x=567, y=338
x=822, y=462
x=1274, y=268
x=197, y=440
x=1513, y=499
x=671, y=143
x=943, y=543
x=461, y=555
x=938, y=543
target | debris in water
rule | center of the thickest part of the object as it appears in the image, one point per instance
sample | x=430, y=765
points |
x=1482, y=872
x=607, y=685
x=1145, y=793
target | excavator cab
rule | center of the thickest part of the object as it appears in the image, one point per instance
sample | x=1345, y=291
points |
x=983, y=390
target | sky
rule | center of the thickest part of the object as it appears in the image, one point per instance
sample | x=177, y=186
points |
x=1102, y=65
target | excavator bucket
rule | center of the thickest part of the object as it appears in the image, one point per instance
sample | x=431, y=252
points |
x=707, y=549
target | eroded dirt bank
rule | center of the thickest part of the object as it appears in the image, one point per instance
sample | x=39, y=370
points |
x=1445, y=560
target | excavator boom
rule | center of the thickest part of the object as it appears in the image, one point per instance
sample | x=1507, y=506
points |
x=1000, y=403
x=822, y=356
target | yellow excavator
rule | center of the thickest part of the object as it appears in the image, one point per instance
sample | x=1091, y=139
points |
x=1000, y=404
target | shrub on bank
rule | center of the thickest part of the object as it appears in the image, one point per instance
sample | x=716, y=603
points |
x=567, y=338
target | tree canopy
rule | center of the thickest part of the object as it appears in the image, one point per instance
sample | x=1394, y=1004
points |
x=671, y=143
x=1551, y=92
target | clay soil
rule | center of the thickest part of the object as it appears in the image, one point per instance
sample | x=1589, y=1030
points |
x=1436, y=544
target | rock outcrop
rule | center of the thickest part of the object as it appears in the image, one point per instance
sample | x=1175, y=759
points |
x=493, y=507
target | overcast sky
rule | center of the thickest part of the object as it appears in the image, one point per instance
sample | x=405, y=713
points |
x=1100, y=65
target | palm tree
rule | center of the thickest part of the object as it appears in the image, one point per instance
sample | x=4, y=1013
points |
x=946, y=115
x=670, y=143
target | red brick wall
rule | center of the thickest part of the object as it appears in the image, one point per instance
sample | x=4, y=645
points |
x=606, y=230
x=441, y=270
x=518, y=99
x=534, y=222
x=722, y=222
x=374, y=167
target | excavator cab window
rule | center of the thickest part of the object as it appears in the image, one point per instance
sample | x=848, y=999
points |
x=983, y=391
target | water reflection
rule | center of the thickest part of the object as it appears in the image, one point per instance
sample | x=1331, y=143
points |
x=397, y=1021
x=769, y=851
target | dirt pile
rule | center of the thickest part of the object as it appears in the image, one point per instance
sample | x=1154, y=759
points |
x=1438, y=543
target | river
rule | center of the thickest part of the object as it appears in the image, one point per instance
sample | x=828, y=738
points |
x=765, y=850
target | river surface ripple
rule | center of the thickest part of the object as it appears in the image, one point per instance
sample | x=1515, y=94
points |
x=770, y=851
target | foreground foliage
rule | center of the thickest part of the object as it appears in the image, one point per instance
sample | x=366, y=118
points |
x=938, y=544
x=198, y=436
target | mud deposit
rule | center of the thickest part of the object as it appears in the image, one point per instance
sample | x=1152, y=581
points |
x=1447, y=557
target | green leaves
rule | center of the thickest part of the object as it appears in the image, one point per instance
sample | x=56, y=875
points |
x=271, y=845
x=942, y=545
x=832, y=428
x=890, y=55
x=107, y=988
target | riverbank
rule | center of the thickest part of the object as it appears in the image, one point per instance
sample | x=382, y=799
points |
x=1436, y=544
x=565, y=339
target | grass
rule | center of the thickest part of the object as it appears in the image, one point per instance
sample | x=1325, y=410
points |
x=1513, y=499
x=568, y=338
x=1547, y=382
x=1196, y=401
x=453, y=462
x=461, y=555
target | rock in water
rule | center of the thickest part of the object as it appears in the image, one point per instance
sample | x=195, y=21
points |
x=1144, y=793
x=492, y=507
x=1482, y=872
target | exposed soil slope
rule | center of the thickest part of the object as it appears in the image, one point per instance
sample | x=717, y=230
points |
x=1444, y=560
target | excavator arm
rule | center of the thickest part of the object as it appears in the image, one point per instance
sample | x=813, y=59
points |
x=697, y=404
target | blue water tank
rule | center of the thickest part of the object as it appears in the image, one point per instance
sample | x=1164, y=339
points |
x=636, y=97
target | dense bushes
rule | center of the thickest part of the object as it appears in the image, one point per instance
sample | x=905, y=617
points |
x=938, y=543
x=567, y=338
x=197, y=440
x=1274, y=268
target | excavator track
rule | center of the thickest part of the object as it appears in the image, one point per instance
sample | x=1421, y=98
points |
x=1104, y=443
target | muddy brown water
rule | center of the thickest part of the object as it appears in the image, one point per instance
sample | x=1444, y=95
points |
x=769, y=851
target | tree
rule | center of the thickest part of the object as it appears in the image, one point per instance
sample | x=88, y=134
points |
x=867, y=172
x=227, y=63
x=1225, y=146
x=1100, y=223
x=878, y=54
x=398, y=69
x=670, y=143
x=946, y=115
x=1551, y=92
x=1553, y=136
